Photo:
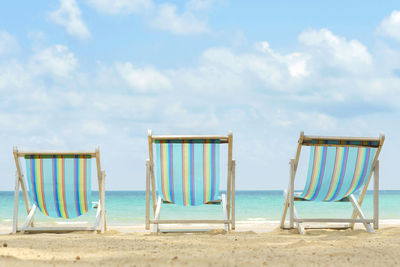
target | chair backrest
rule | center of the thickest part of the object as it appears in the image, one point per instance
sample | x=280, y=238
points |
x=338, y=166
x=188, y=168
x=59, y=183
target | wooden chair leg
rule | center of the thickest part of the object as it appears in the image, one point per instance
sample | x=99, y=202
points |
x=103, y=204
x=156, y=227
x=291, y=194
x=98, y=216
x=224, y=208
x=359, y=212
x=285, y=208
x=29, y=219
x=16, y=199
x=376, y=196
x=233, y=195
x=147, y=227
x=299, y=226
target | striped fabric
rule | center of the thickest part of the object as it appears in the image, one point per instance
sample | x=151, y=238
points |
x=188, y=171
x=60, y=186
x=336, y=172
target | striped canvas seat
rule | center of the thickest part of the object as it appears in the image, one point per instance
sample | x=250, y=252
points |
x=185, y=171
x=335, y=172
x=60, y=186
x=188, y=172
x=338, y=167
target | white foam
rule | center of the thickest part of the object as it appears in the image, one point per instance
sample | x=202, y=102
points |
x=390, y=221
x=256, y=219
x=72, y=223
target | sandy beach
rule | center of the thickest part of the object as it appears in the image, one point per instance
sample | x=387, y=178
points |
x=124, y=247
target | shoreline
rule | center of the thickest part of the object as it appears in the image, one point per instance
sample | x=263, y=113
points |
x=256, y=226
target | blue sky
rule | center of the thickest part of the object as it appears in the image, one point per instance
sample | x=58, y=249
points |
x=77, y=74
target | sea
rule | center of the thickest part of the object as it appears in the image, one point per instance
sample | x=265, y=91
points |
x=127, y=208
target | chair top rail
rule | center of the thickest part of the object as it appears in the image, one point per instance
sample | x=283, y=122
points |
x=221, y=138
x=57, y=153
x=308, y=140
x=340, y=138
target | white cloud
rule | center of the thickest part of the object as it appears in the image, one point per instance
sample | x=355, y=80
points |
x=69, y=16
x=260, y=89
x=55, y=60
x=163, y=16
x=390, y=26
x=168, y=19
x=200, y=4
x=336, y=51
x=122, y=6
x=297, y=64
x=13, y=75
x=227, y=71
x=142, y=79
x=93, y=127
x=8, y=43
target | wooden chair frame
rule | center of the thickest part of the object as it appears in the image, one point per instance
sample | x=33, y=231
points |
x=357, y=212
x=228, y=202
x=28, y=226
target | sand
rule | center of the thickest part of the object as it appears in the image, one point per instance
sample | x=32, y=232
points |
x=215, y=248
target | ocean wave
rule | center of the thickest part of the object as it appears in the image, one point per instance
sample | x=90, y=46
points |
x=256, y=221
x=390, y=221
x=72, y=223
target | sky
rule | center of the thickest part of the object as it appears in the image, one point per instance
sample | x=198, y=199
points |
x=77, y=74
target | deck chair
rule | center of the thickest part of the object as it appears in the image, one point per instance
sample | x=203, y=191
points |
x=58, y=184
x=338, y=168
x=188, y=174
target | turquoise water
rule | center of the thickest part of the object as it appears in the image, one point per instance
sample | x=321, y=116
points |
x=125, y=208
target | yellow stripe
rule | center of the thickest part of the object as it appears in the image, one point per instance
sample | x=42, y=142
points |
x=336, y=171
x=317, y=169
x=165, y=164
x=60, y=187
x=39, y=185
x=358, y=170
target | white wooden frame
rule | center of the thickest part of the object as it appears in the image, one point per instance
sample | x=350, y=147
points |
x=227, y=202
x=28, y=226
x=289, y=195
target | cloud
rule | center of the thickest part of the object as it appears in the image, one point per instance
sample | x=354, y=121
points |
x=13, y=76
x=121, y=6
x=335, y=51
x=390, y=26
x=168, y=19
x=254, y=89
x=69, y=16
x=142, y=79
x=8, y=44
x=160, y=16
x=55, y=60
x=200, y=4
x=94, y=127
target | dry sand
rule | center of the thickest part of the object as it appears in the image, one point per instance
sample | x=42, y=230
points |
x=216, y=248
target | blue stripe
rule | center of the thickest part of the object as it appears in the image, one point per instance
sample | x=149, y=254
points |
x=57, y=201
x=76, y=174
x=33, y=178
